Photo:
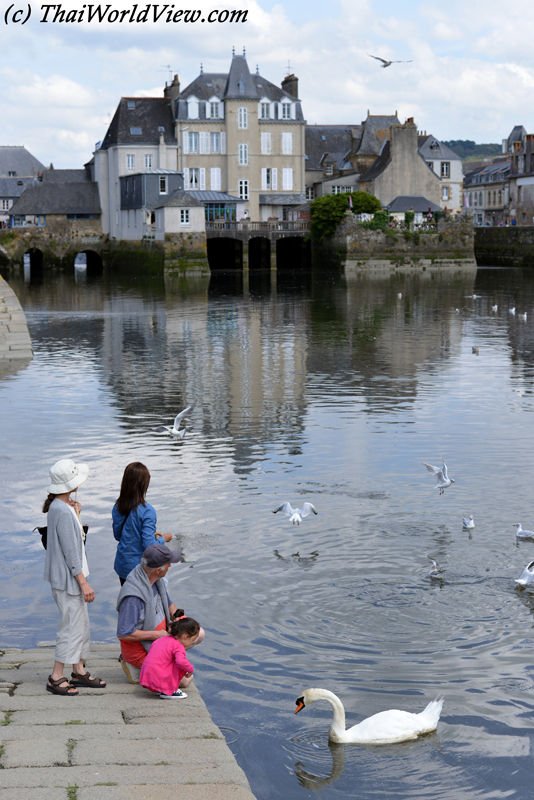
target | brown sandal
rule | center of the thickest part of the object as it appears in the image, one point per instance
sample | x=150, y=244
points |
x=87, y=680
x=56, y=688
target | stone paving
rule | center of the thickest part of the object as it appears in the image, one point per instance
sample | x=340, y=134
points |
x=15, y=342
x=118, y=743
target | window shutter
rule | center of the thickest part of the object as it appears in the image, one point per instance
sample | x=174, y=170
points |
x=272, y=111
x=215, y=179
x=202, y=143
x=185, y=142
x=266, y=143
x=274, y=179
x=202, y=179
x=186, y=179
x=223, y=143
x=263, y=178
x=287, y=143
x=287, y=180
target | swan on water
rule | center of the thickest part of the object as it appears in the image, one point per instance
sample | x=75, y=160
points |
x=176, y=432
x=296, y=514
x=468, y=523
x=383, y=728
x=527, y=576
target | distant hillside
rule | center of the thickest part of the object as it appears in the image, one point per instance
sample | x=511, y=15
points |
x=471, y=151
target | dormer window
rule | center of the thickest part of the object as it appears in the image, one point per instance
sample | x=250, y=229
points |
x=329, y=169
x=241, y=85
x=265, y=109
x=214, y=110
x=286, y=110
x=130, y=103
x=135, y=131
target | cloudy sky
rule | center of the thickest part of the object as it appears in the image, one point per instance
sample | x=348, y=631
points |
x=471, y=73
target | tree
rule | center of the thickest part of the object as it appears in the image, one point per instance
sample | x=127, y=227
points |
x=327, y=212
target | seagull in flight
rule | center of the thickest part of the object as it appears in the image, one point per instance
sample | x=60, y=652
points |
x=296, y=514
x=521, y=534
x=527, y=576
x=176, y=432
x=388, y=63
x=442, y=479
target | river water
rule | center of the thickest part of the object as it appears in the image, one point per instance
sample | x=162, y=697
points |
x=308, y=388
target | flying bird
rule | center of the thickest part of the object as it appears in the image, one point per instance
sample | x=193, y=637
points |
x=527, y=576
x=521, y=534
x=176, y=432
x=468, y=523
x=388, y=63
x=296, y=514
x=442, y=479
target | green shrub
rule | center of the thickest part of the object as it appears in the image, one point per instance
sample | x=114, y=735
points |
x=379, y=223
x=327, y=212
x=409, y=217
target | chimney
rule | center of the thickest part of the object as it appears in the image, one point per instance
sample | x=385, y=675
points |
x=290, y=84
x=172, y=91
x=409, y=121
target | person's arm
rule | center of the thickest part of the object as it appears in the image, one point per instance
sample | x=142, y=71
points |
x=183, y=662
x=88, y=593
x=68, y=540
x=140, y=636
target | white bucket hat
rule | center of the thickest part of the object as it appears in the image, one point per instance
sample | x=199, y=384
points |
x=65, y=476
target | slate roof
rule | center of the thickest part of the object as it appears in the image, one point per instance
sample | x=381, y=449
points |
x=13, y=187
x=181, y=199
x=406, y=202
x=225, y=86
x=430, y=148
x=375, y=133
x=65, y=176
x=17, y=159
x=517, y=134
x=497, y=172
x=282, y=199
x=58, y=198
x=379, y=165
x=337, y=139
x=149, y=114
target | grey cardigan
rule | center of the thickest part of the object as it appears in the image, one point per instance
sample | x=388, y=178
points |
x=63, y=549
x=137, y=584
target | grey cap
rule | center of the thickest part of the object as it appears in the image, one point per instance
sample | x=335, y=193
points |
x=156, y=555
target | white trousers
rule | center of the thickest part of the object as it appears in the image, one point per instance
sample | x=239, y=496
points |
x=73, y=635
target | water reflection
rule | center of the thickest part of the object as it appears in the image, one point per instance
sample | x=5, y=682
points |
x=317, y=782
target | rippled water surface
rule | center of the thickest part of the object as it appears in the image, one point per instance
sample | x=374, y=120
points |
x=319, y=389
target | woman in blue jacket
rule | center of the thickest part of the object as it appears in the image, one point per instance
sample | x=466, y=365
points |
x=134, y=520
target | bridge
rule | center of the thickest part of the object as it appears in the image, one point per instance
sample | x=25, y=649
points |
x=259, y=245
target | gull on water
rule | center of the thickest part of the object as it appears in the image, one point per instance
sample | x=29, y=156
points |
x=176, y=432
x=296, y=514
x=468, y=523
x=512, y=310
x=399, y=295
x=521, y=534
x=494, y=308
x=456, y=310
x=527, y=576
x=442, y=479
x=385, y=63
x=435, y=570
x=475, y=349
x=523, y=316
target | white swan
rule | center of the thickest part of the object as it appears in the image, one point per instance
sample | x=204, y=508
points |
x=382, y=728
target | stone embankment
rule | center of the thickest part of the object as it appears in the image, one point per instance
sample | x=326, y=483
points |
x=15, y=342
x=117, y=743
x=504, y=247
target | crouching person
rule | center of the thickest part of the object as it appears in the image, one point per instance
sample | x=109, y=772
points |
x=145, y=609
x=166, y=669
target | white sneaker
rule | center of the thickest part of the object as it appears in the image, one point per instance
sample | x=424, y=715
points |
x=131, y=672
x=177, y=695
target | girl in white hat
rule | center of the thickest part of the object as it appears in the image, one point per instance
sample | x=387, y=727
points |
x=66, y=570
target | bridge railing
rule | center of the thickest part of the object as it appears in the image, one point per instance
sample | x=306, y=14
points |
x=270, y=225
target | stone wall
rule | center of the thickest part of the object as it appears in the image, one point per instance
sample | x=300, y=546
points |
x=186, y=252
x=15, y=342
x=504, y=247
x=452, y=240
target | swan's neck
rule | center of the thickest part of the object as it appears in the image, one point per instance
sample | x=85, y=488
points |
x=337, y=728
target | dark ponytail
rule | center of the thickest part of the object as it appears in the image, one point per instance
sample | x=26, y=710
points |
x=48, y=502
x=186, y=625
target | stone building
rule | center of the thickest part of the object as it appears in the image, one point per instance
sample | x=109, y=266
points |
x=140, y=194
x=400, y=169
x=448, y=167
x=487, y=193
x=17, y=169
x=520, y=145
x=328, y=169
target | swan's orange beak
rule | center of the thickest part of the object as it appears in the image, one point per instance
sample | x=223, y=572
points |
x=300, y=705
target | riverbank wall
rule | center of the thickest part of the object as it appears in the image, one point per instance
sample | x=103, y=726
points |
x=117, y=743
x=504, y=247
x=15, y=342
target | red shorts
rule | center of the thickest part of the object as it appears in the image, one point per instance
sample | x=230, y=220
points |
x=134, y=652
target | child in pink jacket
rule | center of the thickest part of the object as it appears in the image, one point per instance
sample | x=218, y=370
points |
x=166, y=668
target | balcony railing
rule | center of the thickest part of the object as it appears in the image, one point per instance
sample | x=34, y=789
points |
x=269, y=225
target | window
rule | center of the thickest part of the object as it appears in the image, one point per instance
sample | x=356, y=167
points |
x=135, y=131
x=163, y=184
x=265, y=110
x=340, y=189
x=215, y=179
x=214, y=111
x=286, y=110
x=310, y=193
x=215, y=142
x=445, y=193
x=243, y=155
x=287, y=180
x=519, y=193
x=329, y=169
x=130, y=162
x=269, y=178
x=524, y=219
x=148, y=161
x=5, y=205
x=194, y=178
x=11, y=174
x=287, y=143
x=480, y=200
x=500, y=197
x=193, y=142
x=521, y=164
x=130, y=103
x=242, y=118
x=243, y=190
x=266, y=143
x=445, y=169
x=184, y=217
x=431, y=165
